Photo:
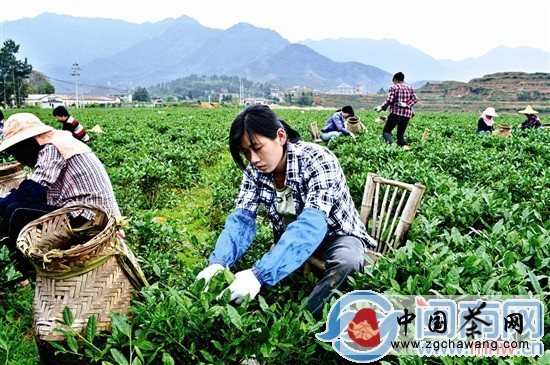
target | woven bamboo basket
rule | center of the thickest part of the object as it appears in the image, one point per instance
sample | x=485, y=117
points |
x=11, y=175
x=354, y=124
x=80, y=269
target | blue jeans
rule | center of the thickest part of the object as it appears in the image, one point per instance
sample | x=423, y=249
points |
x=401, y=123
x=329, y=135
x=343, y=256
x=16, y=216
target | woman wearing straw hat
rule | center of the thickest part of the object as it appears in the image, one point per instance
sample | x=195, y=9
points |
x=485, y=121
x=532, y=120
x=66, y=172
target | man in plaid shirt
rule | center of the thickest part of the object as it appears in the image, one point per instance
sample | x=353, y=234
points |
x=305, y=195
x=401, y=98
x=65, y=172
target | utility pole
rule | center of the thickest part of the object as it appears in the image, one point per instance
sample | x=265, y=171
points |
x=241, y=92
x=75, y=73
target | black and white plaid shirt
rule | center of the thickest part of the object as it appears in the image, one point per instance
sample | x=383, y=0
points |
x=317, y=181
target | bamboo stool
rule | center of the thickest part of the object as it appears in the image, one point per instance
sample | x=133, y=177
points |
x=387, y=211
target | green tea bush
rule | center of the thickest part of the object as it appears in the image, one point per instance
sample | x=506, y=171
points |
x=482, y=228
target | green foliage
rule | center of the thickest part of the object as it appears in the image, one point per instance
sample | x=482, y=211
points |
x=140, y=94
x=13, y=74
x=16, y=321
x=194, y=87
x=192, y=325
x=39, y=84
x=482, y=228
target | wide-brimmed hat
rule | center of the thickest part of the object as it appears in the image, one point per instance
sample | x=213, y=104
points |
x=528, y=110
x=21, y=126
x=490, y=111
x=504, y=130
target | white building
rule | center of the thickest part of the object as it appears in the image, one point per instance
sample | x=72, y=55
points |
x=54, y=100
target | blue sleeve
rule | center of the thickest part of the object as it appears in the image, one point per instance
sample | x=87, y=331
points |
x=296, y=245
x=340, y=125
x=236, y=237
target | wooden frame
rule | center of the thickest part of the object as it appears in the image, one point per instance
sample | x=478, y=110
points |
x=388, y=209
x=315, y=132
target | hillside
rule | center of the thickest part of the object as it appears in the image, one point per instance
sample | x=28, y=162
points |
x=127, y=55
x=505, y=91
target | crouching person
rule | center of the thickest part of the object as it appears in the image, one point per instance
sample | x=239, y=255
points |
x=305, y=195
x=64, y=172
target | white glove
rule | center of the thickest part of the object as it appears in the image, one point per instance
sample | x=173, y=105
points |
x=403, y=104
x=245, y=283
x=209, y=272
x=378, y=108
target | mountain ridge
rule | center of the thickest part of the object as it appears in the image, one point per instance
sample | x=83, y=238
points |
x=117, y=55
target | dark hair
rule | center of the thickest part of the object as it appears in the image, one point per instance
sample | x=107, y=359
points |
x=1, y=114
x=399, y=76
x=348, y=110
x=256, y=120
x=60, y=111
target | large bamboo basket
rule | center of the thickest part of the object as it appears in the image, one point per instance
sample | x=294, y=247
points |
x=354, y=124
x=11, y=175
x=80, y=269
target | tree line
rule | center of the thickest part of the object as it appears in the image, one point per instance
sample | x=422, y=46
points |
x=18, y=79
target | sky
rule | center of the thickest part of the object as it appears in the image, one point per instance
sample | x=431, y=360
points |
x=443, y=29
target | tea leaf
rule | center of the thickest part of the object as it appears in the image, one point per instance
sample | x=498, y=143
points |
x=67, y=317
x=119, y=323
x=535, y=282
x=234, y=316
x=167, y=359
x=228, y=276
x=263, y=303
x=91, y=328
x=72, y=343
x=207, y=356
x=119, y=357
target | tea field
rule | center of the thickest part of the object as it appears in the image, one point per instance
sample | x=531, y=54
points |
x=483, y=227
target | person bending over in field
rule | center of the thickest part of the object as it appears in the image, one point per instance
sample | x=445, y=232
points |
x=305, y=195
x=70, y=124
x=65, y=172
x=485, y=121
x=531, y=121
x=335, y=126
x=401, y=99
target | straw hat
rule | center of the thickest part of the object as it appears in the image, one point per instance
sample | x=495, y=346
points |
x=528, y=110
x=21, y=126
x=504, y=130
x=490, y=111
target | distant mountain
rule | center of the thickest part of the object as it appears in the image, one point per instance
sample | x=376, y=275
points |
x=393, y=56
x=298, y=65
x=115, y=55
